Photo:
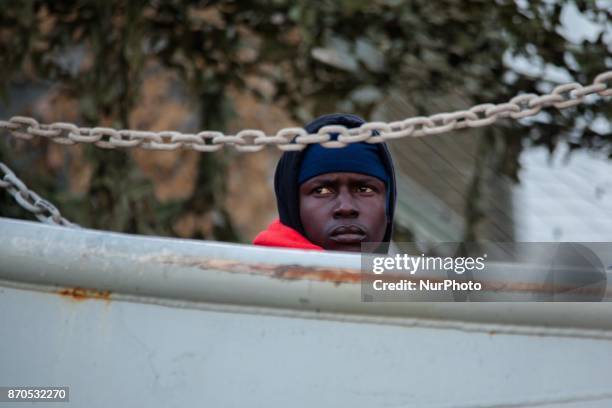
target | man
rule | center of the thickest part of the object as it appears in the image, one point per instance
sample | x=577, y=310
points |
x=333, y=199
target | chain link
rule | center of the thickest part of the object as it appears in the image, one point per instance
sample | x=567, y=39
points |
x=288, y=139
x=250, y=140
x=30, y=201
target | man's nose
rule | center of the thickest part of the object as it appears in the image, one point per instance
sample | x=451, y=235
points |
x=345, y=206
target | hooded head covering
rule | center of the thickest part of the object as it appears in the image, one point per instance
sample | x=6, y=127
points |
x=362, y=158
x=288, y=170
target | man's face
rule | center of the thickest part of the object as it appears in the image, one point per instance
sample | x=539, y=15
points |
x=339, y=211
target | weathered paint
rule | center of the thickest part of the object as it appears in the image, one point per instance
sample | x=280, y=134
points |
x=343, y=275
x=128, y=353
x=162, y=269
x=286, y=272
x=80, y=294
x=184, y=323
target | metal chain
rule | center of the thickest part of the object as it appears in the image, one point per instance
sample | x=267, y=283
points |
x=29, y=200
x=249, y=140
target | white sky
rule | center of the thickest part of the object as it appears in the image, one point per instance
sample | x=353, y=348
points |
x=576, y=28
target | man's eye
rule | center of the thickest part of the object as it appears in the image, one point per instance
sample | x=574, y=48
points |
x=365, y=189
x=322, y=190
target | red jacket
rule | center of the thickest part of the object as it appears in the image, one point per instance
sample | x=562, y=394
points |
x=279, y=235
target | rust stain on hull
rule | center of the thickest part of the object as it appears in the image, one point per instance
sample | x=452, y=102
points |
x=284, y=272
x=80, y=294
x=352, y=276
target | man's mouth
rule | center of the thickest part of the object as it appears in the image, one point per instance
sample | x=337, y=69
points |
x=348, y=234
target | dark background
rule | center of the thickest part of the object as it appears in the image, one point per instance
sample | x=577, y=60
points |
x=229, y=65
